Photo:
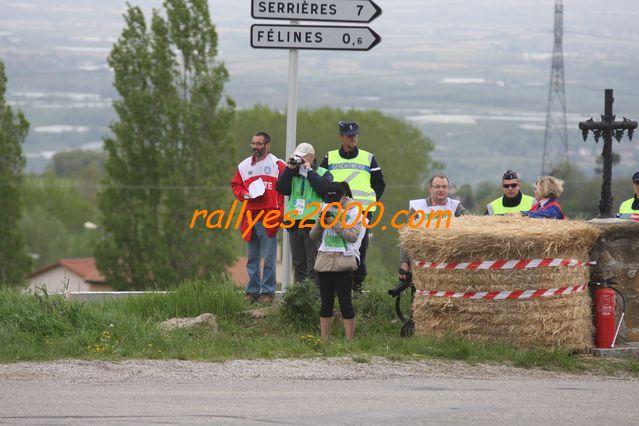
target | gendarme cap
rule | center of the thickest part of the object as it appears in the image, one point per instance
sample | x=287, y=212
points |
x=348, y=128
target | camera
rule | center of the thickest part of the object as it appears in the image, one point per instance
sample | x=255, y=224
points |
x=332, y=197
x=295, y=160
x=331, y=212
x=403, y=284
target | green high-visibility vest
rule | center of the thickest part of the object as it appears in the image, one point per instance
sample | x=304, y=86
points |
x=301, y=189
x=497, y=207
x=626, y=207
x=357, y=172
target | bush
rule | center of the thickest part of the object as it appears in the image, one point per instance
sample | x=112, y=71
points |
x=375, y=304
x=300, y=306
x=39, y=314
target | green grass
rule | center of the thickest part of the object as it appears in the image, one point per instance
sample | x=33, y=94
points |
x=39, y=327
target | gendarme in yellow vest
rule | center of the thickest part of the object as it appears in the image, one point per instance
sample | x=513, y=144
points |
x=497, y=206
x=357, y=172
x=626, y=207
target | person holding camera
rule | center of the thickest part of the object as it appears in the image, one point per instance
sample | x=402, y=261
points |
x=304, y=182
x=338, y=256
x=363, y=174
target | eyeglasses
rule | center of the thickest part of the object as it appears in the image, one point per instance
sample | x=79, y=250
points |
x=257, y=143
x=510, y=185
x=439, y=187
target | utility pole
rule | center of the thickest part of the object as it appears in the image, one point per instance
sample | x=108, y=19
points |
x=556, y=120
x=607, y=128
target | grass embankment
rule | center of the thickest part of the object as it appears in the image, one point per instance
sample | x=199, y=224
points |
x=47, y=327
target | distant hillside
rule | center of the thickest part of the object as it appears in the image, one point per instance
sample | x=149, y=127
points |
x=471, y=75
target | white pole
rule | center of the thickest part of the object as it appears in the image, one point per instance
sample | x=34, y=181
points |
x=291, y=137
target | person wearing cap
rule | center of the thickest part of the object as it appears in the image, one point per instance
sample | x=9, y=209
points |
x=513, y=201
x=304, y=182
x=547, y=190
x=361, y=171
x=261, y=240
x=437, y=200
x=631, y=205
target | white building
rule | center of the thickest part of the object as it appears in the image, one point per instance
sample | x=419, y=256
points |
x=68, y=275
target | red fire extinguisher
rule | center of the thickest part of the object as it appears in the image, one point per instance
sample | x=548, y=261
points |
x=605, y=330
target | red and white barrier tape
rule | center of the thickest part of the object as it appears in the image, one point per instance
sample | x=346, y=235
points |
x=504, y=264
x=503, y=295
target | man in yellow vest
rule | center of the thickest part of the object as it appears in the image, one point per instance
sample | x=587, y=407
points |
x=364, y=176
x=513, y=201
x=631, y=205
x=304, y=183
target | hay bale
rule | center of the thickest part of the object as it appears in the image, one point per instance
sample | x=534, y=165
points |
x=553, y=322
x=561, y=322
x=499, y=279
x=503, y=237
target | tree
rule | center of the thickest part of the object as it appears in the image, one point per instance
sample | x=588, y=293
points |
x=54, y=218
x=580, y=196
x=170, y=152
x=78, y=164
x=14, y=261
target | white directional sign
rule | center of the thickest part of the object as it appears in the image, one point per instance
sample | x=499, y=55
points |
x=313, y=37
x=316, y=10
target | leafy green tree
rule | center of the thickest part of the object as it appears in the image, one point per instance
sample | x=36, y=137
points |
x=78, y=164
x=170, y=152
x=14, y=261
x=582, y=193
x=85, y=167
x=54, y=218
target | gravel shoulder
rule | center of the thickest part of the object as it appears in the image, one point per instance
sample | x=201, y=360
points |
x=175, y=371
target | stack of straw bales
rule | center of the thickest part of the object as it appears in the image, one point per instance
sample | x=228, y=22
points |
x=555, y=322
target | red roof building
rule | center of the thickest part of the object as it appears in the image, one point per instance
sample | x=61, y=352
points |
x=68, y=275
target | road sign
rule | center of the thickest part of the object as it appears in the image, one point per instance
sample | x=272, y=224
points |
x=316, y=10
x=313, y=37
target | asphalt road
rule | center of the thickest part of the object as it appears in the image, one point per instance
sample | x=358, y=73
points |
x=193, y=393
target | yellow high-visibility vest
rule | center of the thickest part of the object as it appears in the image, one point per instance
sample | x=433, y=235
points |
x=357, y=172
x=626, y=207
x=497, y=207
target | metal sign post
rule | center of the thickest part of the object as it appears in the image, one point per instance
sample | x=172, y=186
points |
x=291, y=134
x=295, y=37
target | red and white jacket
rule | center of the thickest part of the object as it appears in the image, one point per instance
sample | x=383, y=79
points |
x=269, y=170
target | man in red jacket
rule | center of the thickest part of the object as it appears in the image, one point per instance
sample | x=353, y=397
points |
x=254, y=181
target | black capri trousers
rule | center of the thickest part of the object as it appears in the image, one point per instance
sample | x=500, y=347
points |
x=340, y=283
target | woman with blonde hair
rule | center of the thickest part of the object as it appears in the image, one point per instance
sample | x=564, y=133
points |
x=547, y=190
